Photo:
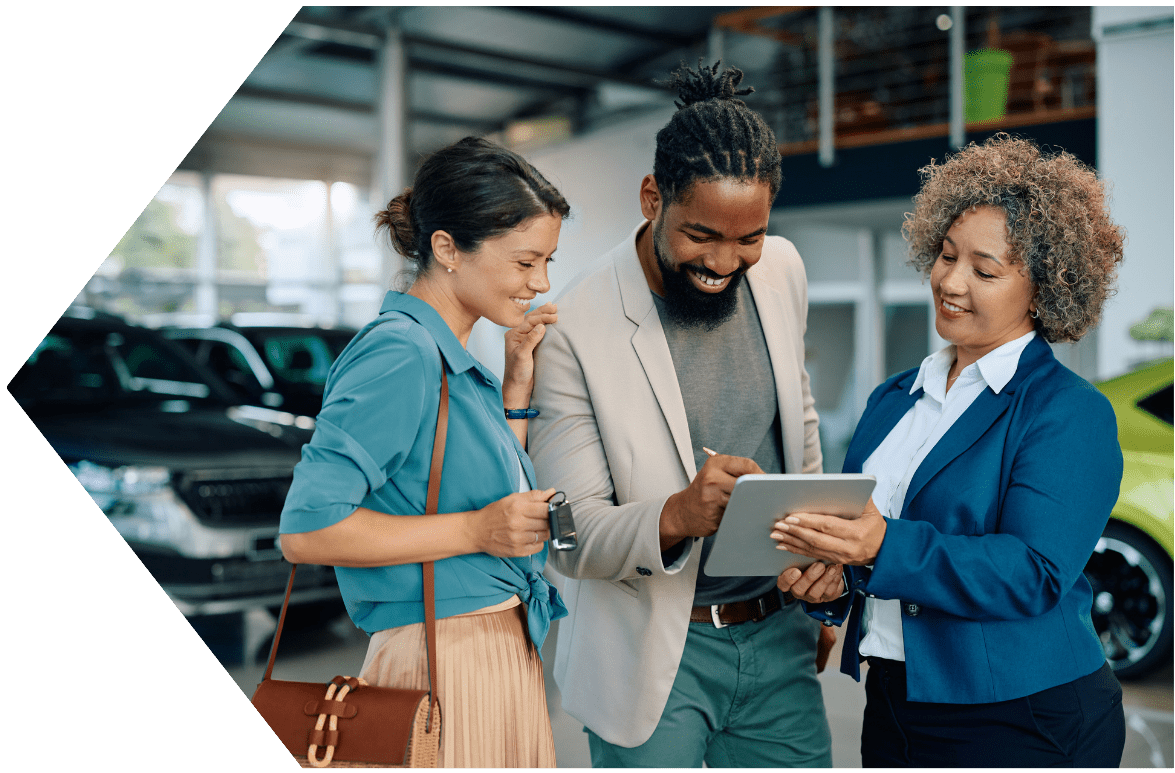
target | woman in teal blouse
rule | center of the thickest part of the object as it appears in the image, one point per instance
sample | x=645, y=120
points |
x=480, y=224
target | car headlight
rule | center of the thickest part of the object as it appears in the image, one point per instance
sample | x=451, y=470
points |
x=107, y=485
x=144, y=508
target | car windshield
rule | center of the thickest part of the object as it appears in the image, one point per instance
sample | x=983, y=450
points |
x=300, y=357
x=80, y=366
x=1158, y=404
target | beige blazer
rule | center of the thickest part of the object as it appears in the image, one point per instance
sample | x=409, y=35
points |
x=612, y=434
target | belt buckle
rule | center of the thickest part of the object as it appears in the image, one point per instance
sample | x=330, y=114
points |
x=714, y=616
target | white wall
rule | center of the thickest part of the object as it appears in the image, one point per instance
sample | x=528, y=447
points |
x=600, y=175
x=1135, y=136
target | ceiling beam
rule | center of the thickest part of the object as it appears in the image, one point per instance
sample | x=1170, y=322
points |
x=450, y=70
x=448, y=119
x=317, y=100
x=597, y=24
x=312, y=32
x=593, y=75
x=306, y=30
x=482, y=125
x=749, y=22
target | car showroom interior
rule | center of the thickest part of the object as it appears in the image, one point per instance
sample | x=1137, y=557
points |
x=217, y=169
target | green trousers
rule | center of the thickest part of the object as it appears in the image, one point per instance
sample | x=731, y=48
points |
x=744, y=696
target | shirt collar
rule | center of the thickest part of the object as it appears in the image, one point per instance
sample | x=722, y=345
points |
x=454, y=354
x=995, y=368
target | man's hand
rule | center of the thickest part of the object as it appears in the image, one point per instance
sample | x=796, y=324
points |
x=697, y=510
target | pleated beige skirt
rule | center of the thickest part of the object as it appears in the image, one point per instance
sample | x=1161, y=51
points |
x=493, y=699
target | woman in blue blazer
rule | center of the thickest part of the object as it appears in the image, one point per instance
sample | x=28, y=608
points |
x=996, y=471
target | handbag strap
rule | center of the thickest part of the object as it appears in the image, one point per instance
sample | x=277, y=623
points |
x=432, y=502
x=430, y=508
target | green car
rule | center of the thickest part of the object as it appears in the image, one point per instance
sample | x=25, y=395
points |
x=1130, y=570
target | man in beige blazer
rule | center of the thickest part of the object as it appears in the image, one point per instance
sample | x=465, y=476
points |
x=661, y=349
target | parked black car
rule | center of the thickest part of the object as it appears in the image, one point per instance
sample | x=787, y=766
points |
x=193, y=484
x=280, y=367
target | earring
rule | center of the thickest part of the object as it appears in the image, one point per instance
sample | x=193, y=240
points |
x=1036, y=313
x=449, y=270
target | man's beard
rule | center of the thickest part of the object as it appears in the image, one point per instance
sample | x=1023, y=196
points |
x=685, y=304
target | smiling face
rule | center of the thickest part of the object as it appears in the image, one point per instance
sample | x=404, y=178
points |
x=701, y=245
x=500, y=279
x=981, y=299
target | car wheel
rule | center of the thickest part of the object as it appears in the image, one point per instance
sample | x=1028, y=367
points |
x=1132, y=596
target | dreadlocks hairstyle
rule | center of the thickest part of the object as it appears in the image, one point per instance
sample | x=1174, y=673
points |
x=713, y=134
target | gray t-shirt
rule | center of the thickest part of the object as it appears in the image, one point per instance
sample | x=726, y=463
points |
x=730, y=402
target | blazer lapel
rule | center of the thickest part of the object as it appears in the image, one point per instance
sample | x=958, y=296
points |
x=781, y=339
x=652, y=350
x=977, y=419
x=889, y=411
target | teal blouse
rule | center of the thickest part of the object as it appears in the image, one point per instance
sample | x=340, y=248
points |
x=372, y=447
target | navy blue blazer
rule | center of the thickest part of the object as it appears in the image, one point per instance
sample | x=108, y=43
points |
x=995, y=530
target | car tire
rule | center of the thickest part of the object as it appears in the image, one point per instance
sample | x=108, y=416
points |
x=1132, y=600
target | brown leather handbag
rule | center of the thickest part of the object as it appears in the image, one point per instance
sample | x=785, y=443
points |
x=346, y=723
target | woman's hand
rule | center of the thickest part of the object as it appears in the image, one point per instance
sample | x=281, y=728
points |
x=830, y=538
x=518, y=376
x=514, y=526
x=817, y=584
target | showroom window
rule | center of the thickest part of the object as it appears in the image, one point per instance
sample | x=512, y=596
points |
x=273, y=249
x=271, y=245
x=152, y=269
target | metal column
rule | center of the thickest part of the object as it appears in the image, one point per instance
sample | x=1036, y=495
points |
x=827, y=59
x=715, y=45
x=390, y=167
x=207, y=298
x=958, y=43
x=869, y=321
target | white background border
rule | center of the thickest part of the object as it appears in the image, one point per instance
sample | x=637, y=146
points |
x=105, y=100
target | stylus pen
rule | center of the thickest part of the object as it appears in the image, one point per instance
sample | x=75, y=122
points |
x=711, y=453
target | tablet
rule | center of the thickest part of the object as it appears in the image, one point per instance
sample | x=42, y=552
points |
x=743, y=546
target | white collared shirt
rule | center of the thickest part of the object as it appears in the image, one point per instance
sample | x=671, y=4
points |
x=895, y=461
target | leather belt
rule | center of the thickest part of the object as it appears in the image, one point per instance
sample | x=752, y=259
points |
x=751, y=610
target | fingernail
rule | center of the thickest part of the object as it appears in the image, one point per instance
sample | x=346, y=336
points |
x=791, y=519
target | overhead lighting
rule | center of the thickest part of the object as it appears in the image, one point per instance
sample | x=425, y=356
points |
x=538, y=132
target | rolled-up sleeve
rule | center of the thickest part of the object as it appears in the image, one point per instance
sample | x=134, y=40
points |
x=371, y=416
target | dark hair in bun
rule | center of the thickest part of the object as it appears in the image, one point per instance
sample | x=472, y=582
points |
x=397, y=219
x=473, y=190
x=713, y=134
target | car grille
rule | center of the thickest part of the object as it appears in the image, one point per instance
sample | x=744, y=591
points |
x=236, y=498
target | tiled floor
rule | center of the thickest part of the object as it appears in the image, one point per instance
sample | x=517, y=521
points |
x=321, y=654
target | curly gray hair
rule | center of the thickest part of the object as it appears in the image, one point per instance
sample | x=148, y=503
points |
x=1058, y=225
